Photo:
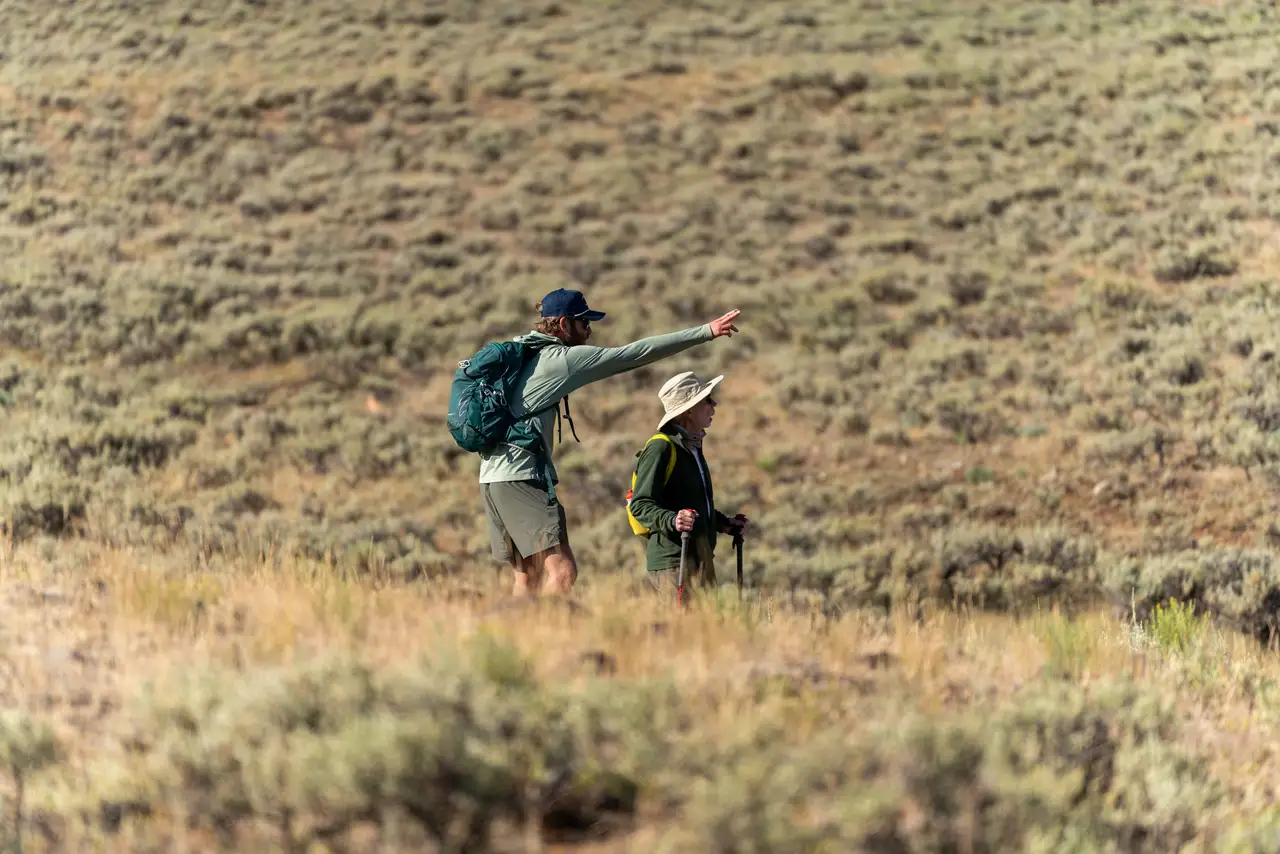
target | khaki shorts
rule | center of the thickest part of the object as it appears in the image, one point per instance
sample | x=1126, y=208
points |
x=523, y=519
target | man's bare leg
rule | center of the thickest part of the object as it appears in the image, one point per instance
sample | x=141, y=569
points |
x=559, y=570
x=528, y=575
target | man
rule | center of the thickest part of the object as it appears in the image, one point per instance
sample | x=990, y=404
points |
x=527, y=526
x=684, y=500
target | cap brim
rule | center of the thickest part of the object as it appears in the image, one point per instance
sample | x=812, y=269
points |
x=593, y=316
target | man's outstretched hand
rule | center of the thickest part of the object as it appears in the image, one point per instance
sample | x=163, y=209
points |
x=723, y=326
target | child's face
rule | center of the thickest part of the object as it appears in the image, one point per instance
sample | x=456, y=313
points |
x=702, y=414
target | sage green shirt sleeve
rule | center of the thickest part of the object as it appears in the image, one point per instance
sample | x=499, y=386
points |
x=650, y=468
x=587, y=364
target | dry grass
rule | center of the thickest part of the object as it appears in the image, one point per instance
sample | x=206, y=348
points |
x=91, y=632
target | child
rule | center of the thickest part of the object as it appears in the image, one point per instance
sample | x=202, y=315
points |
x=685, y=501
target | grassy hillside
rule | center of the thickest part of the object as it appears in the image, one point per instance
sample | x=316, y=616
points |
x=1008, y=279
x=1002, y=267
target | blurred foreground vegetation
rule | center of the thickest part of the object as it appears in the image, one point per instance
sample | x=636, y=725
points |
x=276, y=707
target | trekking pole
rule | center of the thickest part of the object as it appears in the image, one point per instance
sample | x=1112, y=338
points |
x=684, y=548
x=737, y=544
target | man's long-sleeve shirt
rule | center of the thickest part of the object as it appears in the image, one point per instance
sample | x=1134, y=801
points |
x=558, y=370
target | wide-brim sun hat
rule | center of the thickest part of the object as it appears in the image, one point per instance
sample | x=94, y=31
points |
x=683, y=392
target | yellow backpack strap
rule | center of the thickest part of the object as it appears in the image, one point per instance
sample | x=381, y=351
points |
x=671, y=463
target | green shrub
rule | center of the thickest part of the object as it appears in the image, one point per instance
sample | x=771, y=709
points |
x=1238, y=587
x=1001, y=568
x=1056, y=768
x=1175, y=627
x=1067, y=644
x=311, y=753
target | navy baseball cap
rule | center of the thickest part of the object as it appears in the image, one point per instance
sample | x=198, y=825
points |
x=565, y=303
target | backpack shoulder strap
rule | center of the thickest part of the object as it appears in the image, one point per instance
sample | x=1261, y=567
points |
x=529, y=350
x=671, y=461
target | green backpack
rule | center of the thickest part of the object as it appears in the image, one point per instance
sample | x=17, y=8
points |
x=480, y=417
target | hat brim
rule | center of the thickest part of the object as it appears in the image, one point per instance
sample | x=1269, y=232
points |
x=691, y=402
x=591, y=315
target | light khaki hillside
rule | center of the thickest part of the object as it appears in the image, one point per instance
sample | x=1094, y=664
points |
x=1001, y=265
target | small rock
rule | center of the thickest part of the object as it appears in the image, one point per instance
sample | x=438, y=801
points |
x=20, y=591
x=59, y=658
x=521, y=603
x=877, y=660
x=603, y=662
x=798, y=674
x=112, y=814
